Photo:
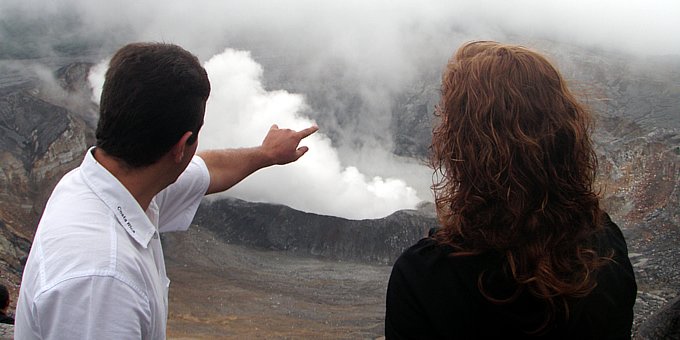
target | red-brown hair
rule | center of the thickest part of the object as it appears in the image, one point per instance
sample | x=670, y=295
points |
x=514, y=168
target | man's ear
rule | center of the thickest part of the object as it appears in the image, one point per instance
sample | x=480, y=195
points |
x=180, y=147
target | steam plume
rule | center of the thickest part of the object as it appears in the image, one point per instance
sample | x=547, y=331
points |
x=238, y=114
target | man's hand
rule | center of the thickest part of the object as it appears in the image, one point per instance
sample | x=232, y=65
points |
x=281, y=145
x=229, y=166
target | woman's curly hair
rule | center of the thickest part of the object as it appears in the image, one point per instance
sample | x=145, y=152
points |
x=514, y=170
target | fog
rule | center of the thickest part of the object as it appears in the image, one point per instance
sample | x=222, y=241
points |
x=351, y=26
x=341, y=65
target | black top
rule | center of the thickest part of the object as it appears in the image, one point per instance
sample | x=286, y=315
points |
x=434, y=296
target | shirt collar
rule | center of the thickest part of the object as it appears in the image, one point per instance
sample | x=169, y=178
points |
x=122, y=204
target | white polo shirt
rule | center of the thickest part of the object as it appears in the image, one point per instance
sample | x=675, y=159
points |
x=96, y=268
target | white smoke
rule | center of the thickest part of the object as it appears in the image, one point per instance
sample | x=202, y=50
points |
x=96, y=79
x=239, y=113
x=359, y=56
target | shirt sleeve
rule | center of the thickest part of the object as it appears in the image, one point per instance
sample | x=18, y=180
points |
x=177, y=204
x=90, y=307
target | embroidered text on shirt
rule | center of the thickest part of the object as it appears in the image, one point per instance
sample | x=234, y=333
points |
x=129, y=225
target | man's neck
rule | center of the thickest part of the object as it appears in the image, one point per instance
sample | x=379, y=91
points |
x=143, y=183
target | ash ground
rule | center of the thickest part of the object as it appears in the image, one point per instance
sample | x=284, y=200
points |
x=220, y=290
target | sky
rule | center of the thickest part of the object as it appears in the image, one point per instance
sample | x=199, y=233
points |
x=369, y=52
x=630, y=25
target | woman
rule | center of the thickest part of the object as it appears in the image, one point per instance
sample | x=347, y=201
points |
x=524, y=249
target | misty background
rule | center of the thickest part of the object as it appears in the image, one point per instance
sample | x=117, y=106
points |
x=344, y=65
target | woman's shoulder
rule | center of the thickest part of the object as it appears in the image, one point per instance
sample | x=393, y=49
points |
x=425, y=252
x=435, y=261
x=612, y=238
x=433, y=283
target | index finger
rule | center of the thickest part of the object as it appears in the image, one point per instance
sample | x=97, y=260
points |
x=308, y=131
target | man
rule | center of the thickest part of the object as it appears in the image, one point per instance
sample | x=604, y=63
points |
x=96, y=267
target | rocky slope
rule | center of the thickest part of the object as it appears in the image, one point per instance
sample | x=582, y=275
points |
x=40, y=139
x=277, y=227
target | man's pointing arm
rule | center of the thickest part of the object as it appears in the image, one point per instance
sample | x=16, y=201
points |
x=229, y=166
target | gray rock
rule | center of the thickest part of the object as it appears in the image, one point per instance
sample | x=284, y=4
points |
x=6, y=331
x=278, y=227
x=664, y=324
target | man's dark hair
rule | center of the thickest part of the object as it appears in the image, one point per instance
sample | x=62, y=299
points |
x=153, y=93
x=4, y=297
